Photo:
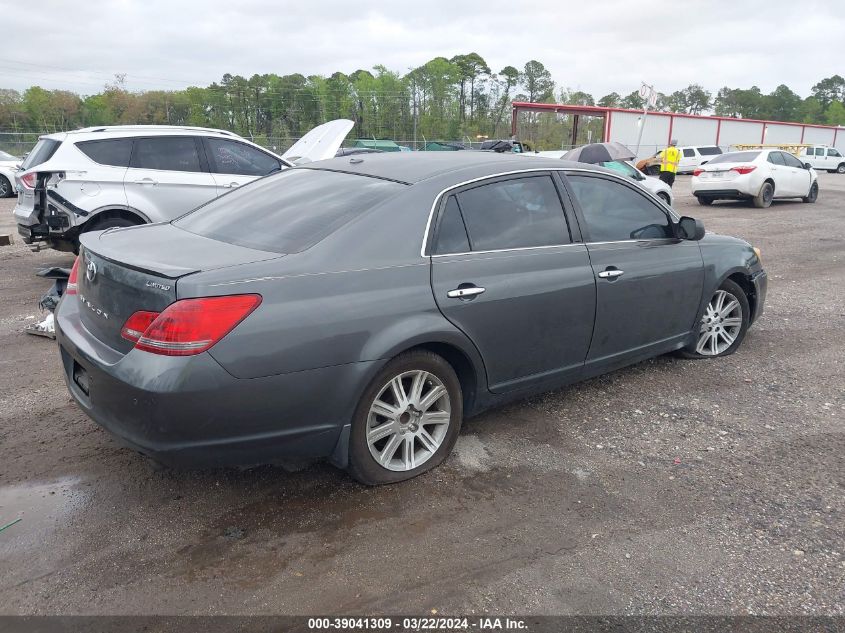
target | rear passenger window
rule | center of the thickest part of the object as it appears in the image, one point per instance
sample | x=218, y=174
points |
x=775, y=158
x=113, y=151
x=689, y=153
x=514, y=213
x=171, y=153
x=615, y=213
x=451, y=232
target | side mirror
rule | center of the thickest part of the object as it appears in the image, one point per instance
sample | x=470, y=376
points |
x=690, y=229
x=807, y=166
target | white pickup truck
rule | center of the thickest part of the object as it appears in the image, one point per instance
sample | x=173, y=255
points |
x=823, y=157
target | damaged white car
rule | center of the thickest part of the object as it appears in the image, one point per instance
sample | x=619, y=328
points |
x=110, y=176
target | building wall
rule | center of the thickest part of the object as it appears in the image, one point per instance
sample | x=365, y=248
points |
x=779, y=133
x=624, y=127
x=822, y=136
x=733, y=132
x=690, y=131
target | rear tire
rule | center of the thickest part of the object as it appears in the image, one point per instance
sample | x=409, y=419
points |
x=704, y=201
x=6, y=189
x=410, y=413
x=109, y=223
x=763, y=200
x=723, y=324
x=841, y=168
x=813, y=195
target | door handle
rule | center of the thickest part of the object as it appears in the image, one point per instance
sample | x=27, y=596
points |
x=465, y=293
x=611, y=273
x=146, y=181
x=231, y=185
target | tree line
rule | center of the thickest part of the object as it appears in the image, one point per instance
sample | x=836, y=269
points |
x=455, y=98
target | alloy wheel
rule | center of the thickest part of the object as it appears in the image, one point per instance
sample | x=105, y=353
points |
x=5, y=188
x=720, y=325
x=408, y=420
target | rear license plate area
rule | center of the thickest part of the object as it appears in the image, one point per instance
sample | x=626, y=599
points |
x=81, y=378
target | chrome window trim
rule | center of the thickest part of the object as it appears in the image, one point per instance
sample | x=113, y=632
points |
x=438, y=198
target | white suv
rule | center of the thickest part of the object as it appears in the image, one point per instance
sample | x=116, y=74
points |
x=102, y=177
x=823, y=157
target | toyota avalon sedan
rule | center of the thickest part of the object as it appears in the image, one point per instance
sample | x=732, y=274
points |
x=359, y=308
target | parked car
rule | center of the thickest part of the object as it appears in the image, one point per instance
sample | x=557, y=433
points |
x=116, y=176
x=823, y=157
x=757, y=175
x=504, y=146
x=8, y=167
x=626, y=168
x=360, y=308
x=691, y=158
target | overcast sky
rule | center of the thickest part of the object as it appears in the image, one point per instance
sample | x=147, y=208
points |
x=599, y=46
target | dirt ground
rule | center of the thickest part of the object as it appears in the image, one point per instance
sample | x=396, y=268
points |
x=570, y=503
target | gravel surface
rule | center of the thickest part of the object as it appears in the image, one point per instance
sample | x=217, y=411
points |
x=671, y=487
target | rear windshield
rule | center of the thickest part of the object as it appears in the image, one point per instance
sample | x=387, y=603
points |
x=41, y=153
x=288, y=212
x=709, y=151
x=735, y=157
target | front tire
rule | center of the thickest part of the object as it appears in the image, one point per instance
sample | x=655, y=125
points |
x=407, y=421
x=6, y=189
x=841, y=168
x=813, y=195
x=665, y=197
x=763, y=200
x=704, y=201
x=723, y=325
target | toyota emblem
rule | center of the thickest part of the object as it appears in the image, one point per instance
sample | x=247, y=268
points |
x=90, y=271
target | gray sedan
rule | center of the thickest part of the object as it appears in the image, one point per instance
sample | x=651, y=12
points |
x=359, y=308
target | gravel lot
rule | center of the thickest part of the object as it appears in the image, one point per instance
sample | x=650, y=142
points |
x=568, y=503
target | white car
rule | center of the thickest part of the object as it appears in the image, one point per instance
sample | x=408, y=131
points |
x=626, y=168
x=758, y=175
x=823, y=157
x=8, y=167
x=112, y=176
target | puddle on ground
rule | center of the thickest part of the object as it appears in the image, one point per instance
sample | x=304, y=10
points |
x=40, y=506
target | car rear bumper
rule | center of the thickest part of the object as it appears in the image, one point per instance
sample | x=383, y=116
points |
x=729, y=194
x=189, y=411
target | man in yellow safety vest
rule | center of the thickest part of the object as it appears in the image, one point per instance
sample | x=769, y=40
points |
x=670, y=158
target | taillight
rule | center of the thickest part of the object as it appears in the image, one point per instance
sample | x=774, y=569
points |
x=72, y=285
x=137, y=324
x=744, y=169
x=697, y=172
x=29, y=180
x=190, y=326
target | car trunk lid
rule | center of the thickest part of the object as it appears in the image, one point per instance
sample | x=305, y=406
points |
x=122, y=271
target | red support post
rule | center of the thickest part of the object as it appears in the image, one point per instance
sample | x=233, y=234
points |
x=718, y=130
x=803, y=128
x=671, y=125
x=763, y=135
x=514, y=112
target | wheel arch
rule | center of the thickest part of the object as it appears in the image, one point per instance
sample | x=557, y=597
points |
x=105, y=213
x=743, y=279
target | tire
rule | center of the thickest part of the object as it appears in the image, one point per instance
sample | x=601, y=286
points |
x=712, y=326
x=841, y=168
x=813, y=195
x=6, y=189
x=665, y=197
x=109, y=223
x=401, y=415
x=763, y=200
x=704, y=201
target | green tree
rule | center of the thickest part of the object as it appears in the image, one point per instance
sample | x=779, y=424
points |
x=537, y=82
x=611, y=100
x=835, y=114
x=829, y=90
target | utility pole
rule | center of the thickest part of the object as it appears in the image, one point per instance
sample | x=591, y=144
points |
x=650, y=97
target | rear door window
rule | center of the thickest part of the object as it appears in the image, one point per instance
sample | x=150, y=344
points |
x=689, y=153
x=709, y=151
x=169, y=153
x=232, y=157
x=820, y=151
x=289, y=211
x=775, y=158
x=41, y=153
x=451, y=231
x=114, y=151
x=514, y=213
x=614, y=212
